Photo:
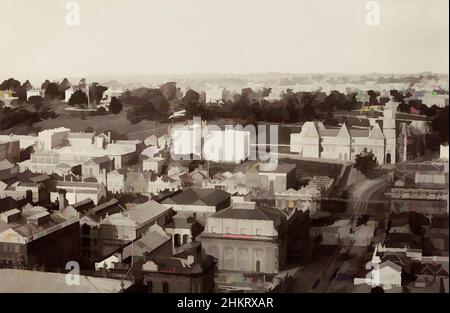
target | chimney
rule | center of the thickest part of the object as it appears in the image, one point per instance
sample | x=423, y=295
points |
x=61, y=199
x=29, y=196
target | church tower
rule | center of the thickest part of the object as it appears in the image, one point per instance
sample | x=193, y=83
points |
x=389, y=131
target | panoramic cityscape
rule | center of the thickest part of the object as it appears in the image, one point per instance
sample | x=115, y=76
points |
x=293, y=166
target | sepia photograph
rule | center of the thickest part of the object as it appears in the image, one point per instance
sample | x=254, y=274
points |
x=226, y=152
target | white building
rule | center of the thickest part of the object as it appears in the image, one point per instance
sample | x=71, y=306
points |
x=389, y=143
x=444, y=152
x=229, y=145
x=52, y=138
x=35, y=93
x=198, y=140
x=431, y=98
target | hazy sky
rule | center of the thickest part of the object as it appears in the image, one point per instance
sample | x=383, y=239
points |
x=239, y=36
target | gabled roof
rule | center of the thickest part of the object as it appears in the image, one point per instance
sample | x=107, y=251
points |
x=147, y=211
x=202, y=197
x=390, y=264
x=376, y=132
x=99, y=160
x=343, y=132
x=152, y=239
x=309, y=129
x=256, y=214
x=5, y=164
x=430, y=269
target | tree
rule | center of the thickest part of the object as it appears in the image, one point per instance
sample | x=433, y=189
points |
x=10, y=84
x=169, y=90
x=440, y=125
x=63, y=86
x=191, y=102
x=115, y=106
x=365, y=162
x=78, y=98
x=96, y=92
x=52, y=91
x=37, y=101
x=373, y=97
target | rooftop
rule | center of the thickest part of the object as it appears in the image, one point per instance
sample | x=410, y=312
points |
x=202, y=197
x=22, y=281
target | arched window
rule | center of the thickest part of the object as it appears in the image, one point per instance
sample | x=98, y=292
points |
x=85, y=229
x=176, y=240
x=150, y=286
x=165, y=287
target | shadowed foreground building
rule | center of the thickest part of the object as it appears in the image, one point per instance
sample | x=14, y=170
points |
x=34, y=237
x=12, y=280
x=187, y=271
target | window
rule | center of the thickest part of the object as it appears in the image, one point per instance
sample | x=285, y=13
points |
x=165, y=287
x=213, y=229
x=228, y=230
x=176, y=240
x=228, y=251
x=243, y=231
x=185, y=239
x=150, y=286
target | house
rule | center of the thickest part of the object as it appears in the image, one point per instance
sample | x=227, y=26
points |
x=422, y=181
x=119, y=229
x=306, y=198
x=233, y=183
x=437, y=233
x=279, y=179
x=227, y=146
x=400, y=242
x=80, y=190
x=387, y=275
x=245, y=238
x=81, y=207
x=183, y=230
x=50, y=139
x=97, y=167
x=429, y=273
x=137, y=182
x=35, y=237
x=151, y=140
x=115, y=181
x=433, y=98
x=399, y=223
x=155, y=242
x=197, y=140
x=321, y=183
x=7, y=169
x=188, y=271
x=200, y=203
x=91, y=250
x=163, y=182
x=154, y=163
x=443, y=153
x=9, y=149
x=390, y=143
x=35, y=93
x=194, y=178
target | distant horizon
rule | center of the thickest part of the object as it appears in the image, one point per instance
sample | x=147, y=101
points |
x=119, y=76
